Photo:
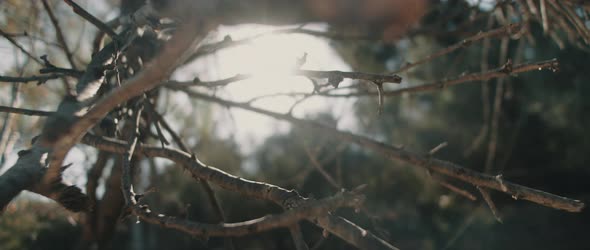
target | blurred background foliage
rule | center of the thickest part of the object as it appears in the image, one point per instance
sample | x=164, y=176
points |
x=543, y=143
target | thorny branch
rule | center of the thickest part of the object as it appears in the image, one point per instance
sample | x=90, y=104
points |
x=151, y=76
x=303, y=210
x=215, y=204
x=63, y=129
x=504, y=71
x=417, y=159
x=335, y=77
x=285, y=198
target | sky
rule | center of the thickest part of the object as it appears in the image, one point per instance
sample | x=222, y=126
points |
x=269, y=59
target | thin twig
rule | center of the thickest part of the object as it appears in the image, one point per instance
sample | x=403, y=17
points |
x=455, y=189
x=213, y=201
x=488, y=199
x=8, y=125
x=40, y=79
x=22, y=111
x=495, y=119
x=227, y=42
x=90, y=18
x=485, y=92
x=503, y=31
x=334, y=74
x=16, y=44
x=318, y=166
x=59, y=34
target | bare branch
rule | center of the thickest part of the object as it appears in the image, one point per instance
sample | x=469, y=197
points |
x=63, y=129
x=417, y=159
x=59, y=34
x=160, y=68
x=302, y=211
x=499, y=32
x=504, y=71
x=213, y=201
x=338, y=226
x=90, y=18
x=331, y=75
x=16, y=44
x=25, y=111
x=40, y=79
x=455, y=189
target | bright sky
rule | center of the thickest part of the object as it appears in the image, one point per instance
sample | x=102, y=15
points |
x=269, y=58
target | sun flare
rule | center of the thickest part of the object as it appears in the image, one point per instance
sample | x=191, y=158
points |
x=270, y=59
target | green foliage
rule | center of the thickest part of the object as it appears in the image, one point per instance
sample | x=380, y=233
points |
x=28, y=224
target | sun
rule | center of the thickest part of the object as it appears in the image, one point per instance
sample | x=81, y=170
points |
x=270, y=59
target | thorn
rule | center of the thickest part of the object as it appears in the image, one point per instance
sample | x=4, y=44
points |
x=380, y=100
x=63, y=168
x=359, y=188
x=437, y=148
x=507, y=67
x=21, y=153
x=227, y=39
x=335, y=80
x=138, y=197
x=300, y=61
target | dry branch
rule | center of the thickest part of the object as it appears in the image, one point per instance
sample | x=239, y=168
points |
x=417, y=159
x=334, y=74
x=90, y=18
x=336, y=225
x=504, y=71
x=22, y=111
x=63, y=129
x=507, y=30
x=159, y=69
x=59, y=34
x=40, y=79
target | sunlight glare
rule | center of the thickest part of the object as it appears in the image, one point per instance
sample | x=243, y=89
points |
x=270, y=59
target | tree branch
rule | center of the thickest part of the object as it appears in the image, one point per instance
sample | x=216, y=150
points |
x=63, y=129
x=334, y=76
x=59, y=34
x=40, y=79
x=336, y=225
x=507, y=30
x=417, y=159
x=22, y=111
x=505, y=70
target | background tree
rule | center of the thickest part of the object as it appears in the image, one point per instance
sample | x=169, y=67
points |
x=107, y=74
